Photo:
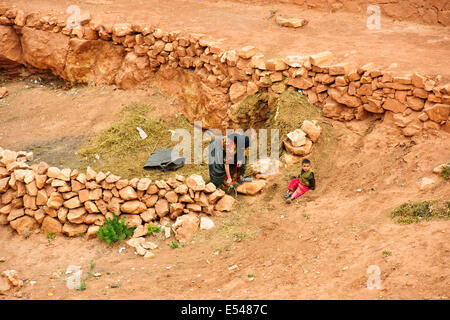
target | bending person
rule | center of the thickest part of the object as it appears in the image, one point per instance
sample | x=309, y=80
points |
x=227, y=160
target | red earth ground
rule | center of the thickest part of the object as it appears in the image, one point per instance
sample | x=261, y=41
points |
x=319, y=247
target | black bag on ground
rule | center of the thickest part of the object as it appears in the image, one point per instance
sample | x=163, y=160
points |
x=164, y=160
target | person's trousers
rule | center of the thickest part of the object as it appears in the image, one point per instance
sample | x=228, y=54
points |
x=297, y=187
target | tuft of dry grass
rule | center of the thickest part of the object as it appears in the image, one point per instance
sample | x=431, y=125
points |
x=120, y=149
x=414, y=212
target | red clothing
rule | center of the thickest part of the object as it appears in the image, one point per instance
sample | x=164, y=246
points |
x=297, y=188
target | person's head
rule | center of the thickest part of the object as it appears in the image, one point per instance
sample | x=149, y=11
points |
x=306, y=164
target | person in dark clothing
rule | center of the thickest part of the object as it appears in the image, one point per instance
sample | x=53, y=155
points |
x=303, y=183
x=227, y=159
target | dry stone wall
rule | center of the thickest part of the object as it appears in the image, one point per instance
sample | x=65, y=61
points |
x=64, y=201
x=127, y=55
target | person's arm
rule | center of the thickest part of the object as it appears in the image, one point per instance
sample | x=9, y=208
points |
x=312, y=181
x=227, y=171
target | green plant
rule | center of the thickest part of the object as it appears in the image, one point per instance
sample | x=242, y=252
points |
x=413, y=212
x=152, y=229
x=114, y=230
x=174, y=244
x=50, y=236
x=82, y=286
x=387, y=253
x=250, y=275
x=91, y=268
x=305, y=216
x=445, y=171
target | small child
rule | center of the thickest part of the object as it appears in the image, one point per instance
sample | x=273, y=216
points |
x=303, y=183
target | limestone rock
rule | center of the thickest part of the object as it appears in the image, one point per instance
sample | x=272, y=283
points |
x=237, y=92
x=247, y=52
x=251, y=188
x=77, y=215
x=206, y=223
x=266, y=166
x=128, y=193
x=185, y=226
x=133, y=220
x=51, y=225
x=320, y=58
x=162, y=207
x=133, y=207
x=73, y=230
x=290, y=22
x=312, y=129
x=140, y=231
x=92, y=232
x=426, y=183
x=3, y=92
x=45, y=50
x=438, y=112
x=149, y=215
x=297, y=137
x=298, y=151
x=226, y=203
x=24, y=225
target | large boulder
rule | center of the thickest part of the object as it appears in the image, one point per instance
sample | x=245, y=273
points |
x=10, y=49
x=134, y=70
x=93, y=61
x=45, y=50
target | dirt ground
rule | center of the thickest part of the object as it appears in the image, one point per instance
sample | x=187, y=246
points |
x=413, y=47
x=319, y=247
x=316, y=248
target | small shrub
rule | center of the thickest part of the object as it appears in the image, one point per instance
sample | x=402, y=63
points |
x=173, y=245
x=387, y=253
x=152, y=229
x=445, y=171
x=413, y=212
x=114, y=230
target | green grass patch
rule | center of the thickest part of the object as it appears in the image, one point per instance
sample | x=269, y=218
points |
x=414, y=212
